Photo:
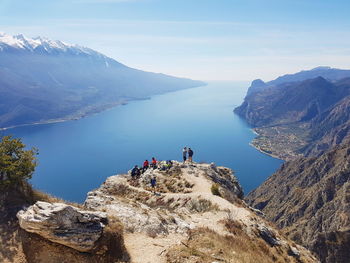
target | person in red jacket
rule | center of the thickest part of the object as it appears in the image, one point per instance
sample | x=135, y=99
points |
x=154, y=163
x=145, y=166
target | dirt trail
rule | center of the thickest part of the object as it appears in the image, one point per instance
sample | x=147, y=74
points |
x=145, y=249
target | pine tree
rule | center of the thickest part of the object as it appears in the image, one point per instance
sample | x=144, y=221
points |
x=16, y=163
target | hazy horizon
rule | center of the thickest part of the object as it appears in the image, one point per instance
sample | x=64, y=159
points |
x=211, y=40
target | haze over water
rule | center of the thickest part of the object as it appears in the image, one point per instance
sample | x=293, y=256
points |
x=77, y=156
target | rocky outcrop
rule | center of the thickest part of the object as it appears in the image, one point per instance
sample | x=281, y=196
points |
x=181, y=220
x=64, y=224
x=309, y=199
x=159, y=223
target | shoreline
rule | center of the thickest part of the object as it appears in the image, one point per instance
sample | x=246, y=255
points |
x=82, y=115
x=269, y=154
x=71, y=118
x=41, y=123
x=262, y=151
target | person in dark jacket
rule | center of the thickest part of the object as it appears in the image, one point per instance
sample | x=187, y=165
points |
x=190, y=154
x=154, y=183
x=135, y=172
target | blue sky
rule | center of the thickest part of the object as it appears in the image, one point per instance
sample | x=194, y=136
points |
x=200, y=39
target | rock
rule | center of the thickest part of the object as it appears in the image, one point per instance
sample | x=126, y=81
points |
x=294, y=252
x=268, y=236
x=257, y=211
x=63, y=224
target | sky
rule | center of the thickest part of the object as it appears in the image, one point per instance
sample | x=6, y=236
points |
x=237, y=40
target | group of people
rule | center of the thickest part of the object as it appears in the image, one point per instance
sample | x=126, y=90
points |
x=137, y=171
x=187, y=152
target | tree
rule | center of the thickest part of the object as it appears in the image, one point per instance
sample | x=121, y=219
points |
x=16, y=163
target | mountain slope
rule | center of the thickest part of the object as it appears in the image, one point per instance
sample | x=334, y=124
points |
x=310, y=199
x=41, y=79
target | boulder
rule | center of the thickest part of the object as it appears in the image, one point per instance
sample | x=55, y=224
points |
x=64, y=224
x=269, y=236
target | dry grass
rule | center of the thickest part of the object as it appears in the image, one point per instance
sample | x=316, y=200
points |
x=172, y=181
x=111, y=244
x=206, y=246
x=45, y=197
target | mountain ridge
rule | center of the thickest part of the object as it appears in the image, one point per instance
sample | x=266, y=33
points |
x=331, y=74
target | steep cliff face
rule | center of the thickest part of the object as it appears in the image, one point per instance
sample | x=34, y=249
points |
x=183, y=221
x=330, y=128
x=310, y=199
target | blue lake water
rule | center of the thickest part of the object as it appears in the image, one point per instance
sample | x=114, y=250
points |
x=77, y=156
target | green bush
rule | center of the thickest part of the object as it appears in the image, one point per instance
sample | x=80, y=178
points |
x=16, y=163
x=215, y=189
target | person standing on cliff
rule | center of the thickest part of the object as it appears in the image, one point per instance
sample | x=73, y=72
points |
x=154, y=183
x=190, y=154
x=184, y=154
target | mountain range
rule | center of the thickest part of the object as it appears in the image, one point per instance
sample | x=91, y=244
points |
x=312, y=113
x=43, y=80
x=331, y=74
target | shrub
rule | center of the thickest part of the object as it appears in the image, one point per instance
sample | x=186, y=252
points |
x=215, y=189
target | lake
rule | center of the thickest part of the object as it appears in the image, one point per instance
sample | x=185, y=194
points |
x=77, y=156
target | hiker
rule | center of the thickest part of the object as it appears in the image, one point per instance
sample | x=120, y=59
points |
x=165, y=165
x=154, y=183
x=154, y=163
x=135, y=172
x=145, y=166
x=168, y=164
x=184, y=154
x=190, y=154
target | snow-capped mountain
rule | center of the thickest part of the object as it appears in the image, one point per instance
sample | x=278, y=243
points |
x=39, y=44
x=42, y=79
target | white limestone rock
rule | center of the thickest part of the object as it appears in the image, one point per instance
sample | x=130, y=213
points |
x=64, y=224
